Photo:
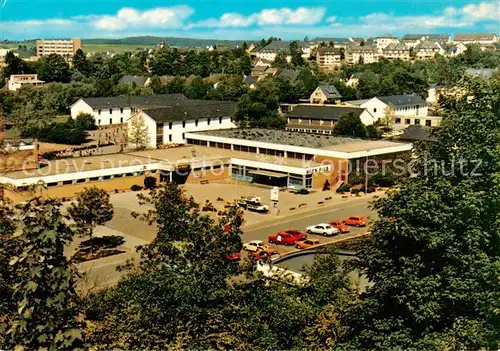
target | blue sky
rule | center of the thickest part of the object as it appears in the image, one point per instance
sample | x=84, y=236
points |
x=226, y=19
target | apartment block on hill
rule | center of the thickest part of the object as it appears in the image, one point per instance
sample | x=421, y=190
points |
x=427, y=50
x=67, y=48
x=361, y=54
x=329, y=58
x=395, y=51
x=16, y=81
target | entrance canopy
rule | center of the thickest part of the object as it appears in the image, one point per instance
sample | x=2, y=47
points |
x=269, y=174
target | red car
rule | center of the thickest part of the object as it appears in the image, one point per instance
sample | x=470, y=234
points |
x=288, y=237
x=233, y=257
x=265, y=254
x=340, y=226
x=356, y=221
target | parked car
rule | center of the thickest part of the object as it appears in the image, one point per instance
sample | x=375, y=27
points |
x=254, y=245
x=322, y=229
x=340, y=226
x=232, y=257
x=269, y=254
x=257, y=207
x=304, y=244
x=288, y=237
x=356, y=221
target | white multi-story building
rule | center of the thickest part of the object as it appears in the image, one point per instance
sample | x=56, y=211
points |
x=428, y=50
x=384, y=40
x=399, y=105
x=396, y=51
x=328, y=57
x=361, y=54
x=168, y=125
x=16, y=81
x=270, y=51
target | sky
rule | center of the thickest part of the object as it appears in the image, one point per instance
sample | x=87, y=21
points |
x=238, y=19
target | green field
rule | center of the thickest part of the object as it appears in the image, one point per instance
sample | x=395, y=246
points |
x=9, y=46
x=115, y=49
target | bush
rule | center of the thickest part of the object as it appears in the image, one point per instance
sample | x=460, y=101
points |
x=150, y=182
x=136, y=187
x=302, y=191
x=344, y=188
x=383, y=180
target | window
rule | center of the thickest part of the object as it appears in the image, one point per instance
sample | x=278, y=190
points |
x=220, y=120
x=121, y=119
x=407, y=121
x=196, y=123
x=111, y=121
x=170, y=125
x=417, y=122
x=99, y=112
x=110, y=111
x=375, y=110
x=398, y=121
x=183, y=136
x=121, y=109
x=428, y=123
x=170, y=137
x=208, y=121
x=99, y=122
x=183, y=124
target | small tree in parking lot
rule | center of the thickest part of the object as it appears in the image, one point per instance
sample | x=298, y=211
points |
x=138, y=134
x=92, y=208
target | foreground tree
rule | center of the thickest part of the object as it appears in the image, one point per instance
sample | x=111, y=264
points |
x=46, y=312
x=350, y=125
x=138, y=135
x=435, y=255
x=92, y=208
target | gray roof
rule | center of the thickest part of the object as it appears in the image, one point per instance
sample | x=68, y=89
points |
x=428, y=44
x=279, y=45
x=329, y=51
x=192, y=109
x=396, y=46
x=435, y=37
x=474, y=37
x=340, y=41
x=323, y=112
x=330, y=91
x=290, y=73
x=134, y=101
x=138, y=80
x=402, y=100
x=249, y=80
x=357, y=102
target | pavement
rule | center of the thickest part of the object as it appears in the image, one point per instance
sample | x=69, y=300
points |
x=102, y=272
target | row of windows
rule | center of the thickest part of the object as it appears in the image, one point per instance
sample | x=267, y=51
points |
x=110, y=121
x=110, y=111
x=98, y=179
x=196, y=122
x=428, y=122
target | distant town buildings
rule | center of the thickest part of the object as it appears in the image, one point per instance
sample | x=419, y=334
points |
x=16, y=81
x=481, y=38
x=67, y=48
x=329, y=57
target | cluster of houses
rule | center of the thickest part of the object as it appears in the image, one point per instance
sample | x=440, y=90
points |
x=331, y=52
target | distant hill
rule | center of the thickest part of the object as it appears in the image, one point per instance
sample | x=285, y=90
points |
x=171, y=41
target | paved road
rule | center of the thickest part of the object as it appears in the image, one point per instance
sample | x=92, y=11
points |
x=104, y=273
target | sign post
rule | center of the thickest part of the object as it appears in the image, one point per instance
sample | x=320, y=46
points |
x=275, y=194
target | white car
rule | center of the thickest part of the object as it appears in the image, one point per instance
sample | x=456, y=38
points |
x=322, y=229
x=254, y=246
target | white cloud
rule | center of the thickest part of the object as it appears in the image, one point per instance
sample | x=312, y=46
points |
x=161, y=17
x=482, y=11
x=266, y=17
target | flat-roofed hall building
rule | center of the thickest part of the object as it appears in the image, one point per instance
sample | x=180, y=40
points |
x=270, y=157
x=67, y=48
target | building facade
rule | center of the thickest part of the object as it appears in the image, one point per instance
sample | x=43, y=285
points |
x=16, y=81
x=361, y=54
x=398, y=105
x=329, y=58
x=67, y=48
x=395, y=51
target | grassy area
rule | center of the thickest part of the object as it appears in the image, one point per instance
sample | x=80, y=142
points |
x=9, y=46
x=116, y=49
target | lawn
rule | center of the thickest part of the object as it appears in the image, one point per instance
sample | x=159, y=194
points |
x=115, y=49
x=9, y=46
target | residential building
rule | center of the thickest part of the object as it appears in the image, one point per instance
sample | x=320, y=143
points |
x=407, y=121
x=384, y=40
x=291, y=74
x=396, y=51
x=168, y=125
x=138, y=81
x=16, y=81
x=398, y=105
x=427, y=50
x=325, y=94
x=270, y=51
x=322, y=119
x=412, y=40
x=361, y=54
x=118, y=109
x=67, y=48
x=453, y=50
x=329, y=58
x=479, y=38
x=353, y=80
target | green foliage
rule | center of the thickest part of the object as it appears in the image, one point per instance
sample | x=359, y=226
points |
x=372, y=132
x=302, y=191
x=80, y=63
x=85, y=121
x=296, y=54
x=73, y=132
x=136, y=187
x=15, y=65
x=53, y=68
x=43, y=284
x=281, y=60
x=149, y=182
x=434, y=258
x=92, y=208
x=350, y=125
